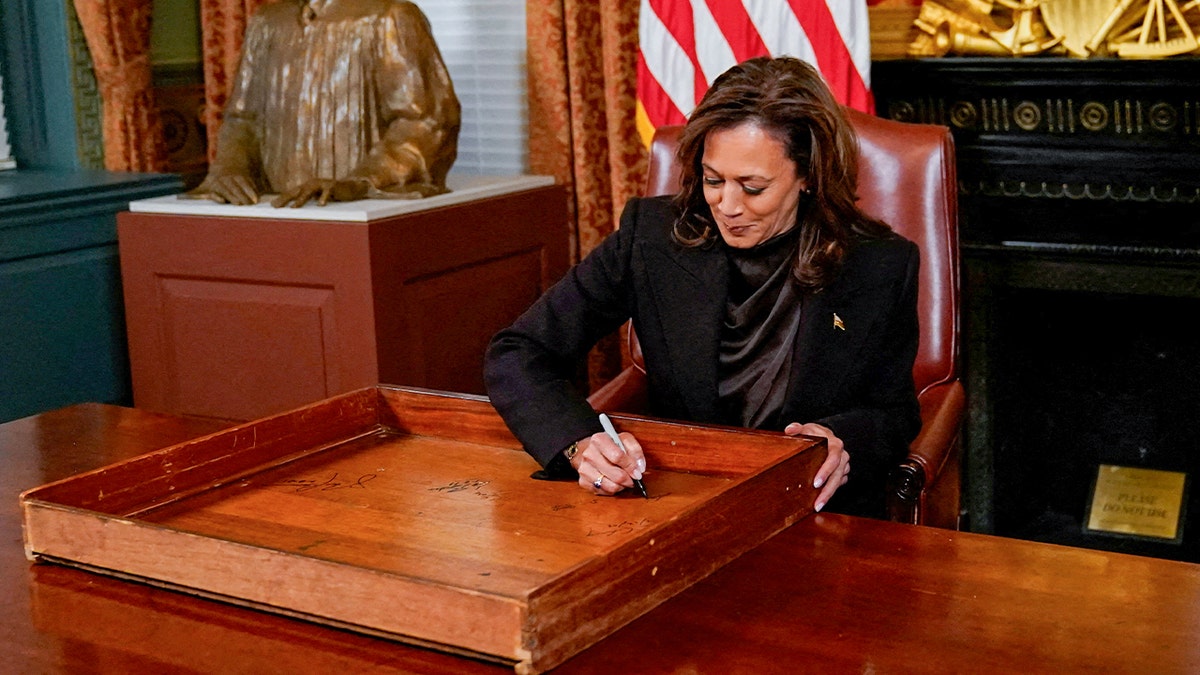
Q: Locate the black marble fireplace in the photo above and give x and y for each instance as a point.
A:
(1079, 186)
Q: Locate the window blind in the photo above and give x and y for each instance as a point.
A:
(6, 160)
(483, 45)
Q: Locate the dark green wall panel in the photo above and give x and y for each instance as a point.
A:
(62, 323)
(62, 340)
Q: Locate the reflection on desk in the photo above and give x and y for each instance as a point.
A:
(830, 594)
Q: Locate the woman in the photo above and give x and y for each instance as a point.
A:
(762, 296)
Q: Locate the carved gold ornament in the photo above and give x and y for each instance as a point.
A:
(1137, 29)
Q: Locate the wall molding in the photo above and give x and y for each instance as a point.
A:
(1081, 191)
(89, 121)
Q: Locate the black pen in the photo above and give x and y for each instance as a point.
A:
(612, 433)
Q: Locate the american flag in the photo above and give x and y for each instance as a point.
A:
(685, 44)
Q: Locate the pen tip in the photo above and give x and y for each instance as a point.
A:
(642, 489)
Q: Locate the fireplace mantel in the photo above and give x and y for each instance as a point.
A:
(1074, 175)
(1057, 127)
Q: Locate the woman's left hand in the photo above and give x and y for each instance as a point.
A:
(835, 470)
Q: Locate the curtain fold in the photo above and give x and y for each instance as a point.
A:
(582, 62)
(222, 29)
(118, 37)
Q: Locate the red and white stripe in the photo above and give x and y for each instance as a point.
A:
(686, 44)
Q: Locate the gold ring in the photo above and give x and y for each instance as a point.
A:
(598, 482)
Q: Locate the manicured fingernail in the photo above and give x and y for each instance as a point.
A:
(819, 506)
(818, 482)
(641, 466)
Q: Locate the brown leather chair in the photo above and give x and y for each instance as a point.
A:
(907, 178)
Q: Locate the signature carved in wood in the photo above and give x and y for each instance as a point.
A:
(331, 483)
(623, 527)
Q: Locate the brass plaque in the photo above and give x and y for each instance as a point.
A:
(1137, 502)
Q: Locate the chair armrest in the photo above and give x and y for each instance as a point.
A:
(933, 451)
(942, 409)
(627, 392)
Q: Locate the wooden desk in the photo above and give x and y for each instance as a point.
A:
(831, 594)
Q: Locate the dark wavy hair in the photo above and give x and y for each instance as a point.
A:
(787, 98)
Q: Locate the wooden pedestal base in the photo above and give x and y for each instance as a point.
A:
(240, 317)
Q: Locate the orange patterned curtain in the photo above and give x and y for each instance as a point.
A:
(222, 28)
(118, 37)
(582, 57)
(582, 60)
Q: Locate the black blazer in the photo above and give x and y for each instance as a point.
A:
(853, 376)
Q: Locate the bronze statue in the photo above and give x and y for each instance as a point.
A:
(336, 100)
(1139, 29)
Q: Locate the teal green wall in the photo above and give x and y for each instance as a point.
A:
(50, 102)
(62, 337)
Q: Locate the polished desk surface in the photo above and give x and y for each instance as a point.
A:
(831, 594)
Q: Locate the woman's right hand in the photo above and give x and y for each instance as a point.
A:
(835, 470)
(603, 468)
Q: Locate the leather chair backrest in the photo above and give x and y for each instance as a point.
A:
(906, 178)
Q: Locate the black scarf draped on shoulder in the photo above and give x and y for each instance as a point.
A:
(762, 317)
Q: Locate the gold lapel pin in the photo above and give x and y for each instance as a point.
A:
(837, 322)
